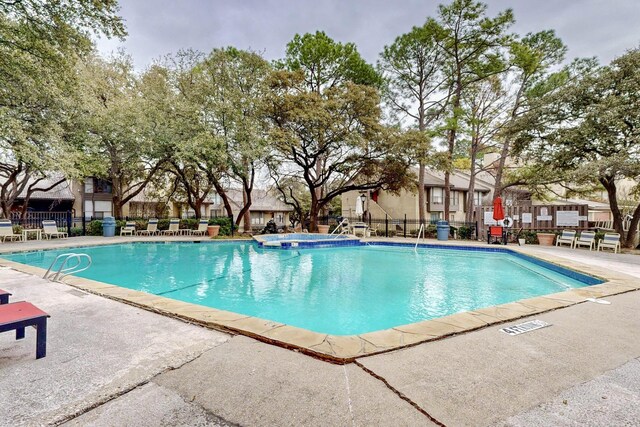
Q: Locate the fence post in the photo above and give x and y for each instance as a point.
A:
(232, 226)
(386, 225)
(405, 226)
(69, 223)
(84, 224)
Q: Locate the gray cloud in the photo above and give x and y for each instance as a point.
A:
(604, 29)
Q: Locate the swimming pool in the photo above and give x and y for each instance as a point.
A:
(338, 291)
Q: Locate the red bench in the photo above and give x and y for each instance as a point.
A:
(18, 315)
(4, 297)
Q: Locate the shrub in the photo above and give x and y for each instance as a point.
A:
(94, 228)
(224, 223)
(465, 232)
(163, 224)
(75, 231)
(530, 237)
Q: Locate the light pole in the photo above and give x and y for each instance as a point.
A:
(363, 198)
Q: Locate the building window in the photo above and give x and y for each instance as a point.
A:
(437, 196)
(435, 216)
(477, 198)
(455, 198)
(101, 186)
(88, 185)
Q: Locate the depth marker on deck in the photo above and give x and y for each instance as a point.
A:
(521, 328)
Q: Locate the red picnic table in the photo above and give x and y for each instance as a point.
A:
(18, 315)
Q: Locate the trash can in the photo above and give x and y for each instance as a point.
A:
(109, 226)
(443, 230)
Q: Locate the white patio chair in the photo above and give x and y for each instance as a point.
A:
(174, 227)
(586, 238)
(128, 229)
(50, 229)
(152, 228)
(610, 241)
(202, 228)
(568, 237)
(6, 231)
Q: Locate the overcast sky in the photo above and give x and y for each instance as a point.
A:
(600, 28)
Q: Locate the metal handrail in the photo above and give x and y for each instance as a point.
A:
(420, 232)
(62, 271)
(341, 225)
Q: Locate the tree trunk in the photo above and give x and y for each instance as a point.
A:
(422, 202)
(314, 209)
(245, 214)
(451, 145)
(609, 184)
(197, 207)
(470, 208)
(497, 192)
(633, 228)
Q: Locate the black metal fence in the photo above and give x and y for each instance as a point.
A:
(407, 227)
(77, 226)
(388, 227)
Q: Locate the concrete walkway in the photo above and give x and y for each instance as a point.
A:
(110, 364)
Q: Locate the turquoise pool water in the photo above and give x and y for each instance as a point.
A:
(340, 291)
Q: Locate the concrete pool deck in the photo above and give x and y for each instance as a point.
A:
(102, 371)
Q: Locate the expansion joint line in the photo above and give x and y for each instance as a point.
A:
(68, 417)
(400, 394)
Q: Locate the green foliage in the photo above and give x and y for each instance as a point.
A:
(586, 133)
(40, 44)
(465, 232)
(326, 63)
(530, 237)
(325, 115)
(94, 228)
(224, 223)
(75, 232)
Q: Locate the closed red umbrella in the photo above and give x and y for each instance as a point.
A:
(498, 212)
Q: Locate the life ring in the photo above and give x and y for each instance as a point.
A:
(507, 222)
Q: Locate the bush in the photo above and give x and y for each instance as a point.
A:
(465, 232)
(75, 231)
(530, 237)
(431, 231)
(94, 228)
(224, 223)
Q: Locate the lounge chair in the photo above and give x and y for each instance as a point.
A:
(611, 241)
(128, 229)
(568, 237)
(18, 315)
(6, 231)
(152, 228)
(174, 227)
(50, 229)
(496, 234)
(4, 297)
(586, 238)
(202, 228)
(359, 228)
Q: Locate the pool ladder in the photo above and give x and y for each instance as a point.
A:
(341, 226)
(65, 269)
(420, 233)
